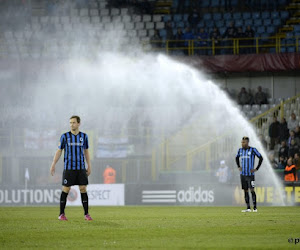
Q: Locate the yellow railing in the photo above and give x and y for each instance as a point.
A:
(234, 46)
(219, 145)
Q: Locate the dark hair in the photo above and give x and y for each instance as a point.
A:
(245, 138)
(76, 117)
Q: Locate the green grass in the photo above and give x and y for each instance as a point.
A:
(149, 228)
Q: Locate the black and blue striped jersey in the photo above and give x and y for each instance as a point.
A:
(247, 156)
(74, 146)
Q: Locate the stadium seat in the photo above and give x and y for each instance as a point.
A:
(237, 15)
(139, 26)
(124, 11)
(267, 22)
(129, 26)
(257, 22)
(94, 12)
(274, 14)
(149, 25)
(256, 15)
(217, 16)
(219, 23)
(166, 18)
(271, 29)
(261, 30)
(265, 14)
(209, 24)
(177, 18)
(163, 33)
(104, 12)
(137, 18)
(264, 107)
(85, 19)
(142, 33)
(131, 33)
(147, 18)
(291, 49)
(105, 19)
(207, 16)
(126, 19)
(246, 15)
(255, 107)
(83, 12)
(284, 14)
(159, 25)
(115, 12)
(227, 16)
(239, 23)
(297, 28)
(151, 33)
(214, 3)
(248, 22)
(246, 107)
(277, 21)
(157, 18)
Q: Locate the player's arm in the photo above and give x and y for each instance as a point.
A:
(237, 160)
(55, 160)
(260, 159)
(88, 160)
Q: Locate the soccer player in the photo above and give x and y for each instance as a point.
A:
(247, 155)
(75, 145)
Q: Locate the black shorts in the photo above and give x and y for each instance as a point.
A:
(75, 177)
(247, 181)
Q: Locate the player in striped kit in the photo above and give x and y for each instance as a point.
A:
(247, 155)
(75, 145)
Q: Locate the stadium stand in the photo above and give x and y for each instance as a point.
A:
(274, 30)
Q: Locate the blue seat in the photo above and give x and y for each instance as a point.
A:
(282, 49)
(167, 18)
(228, 23)
(270, 30)
(227, 16)
(200, 24)
(291, 49)
(267, 22)
(209, 24)
(246, 15)
(222, 30)
(217, 16)
(180, 24)
(185, 17)
(214, 3)
(272, 50)
(261, 30)
(255, 15)
(163, 33)
(220, 23)
(207, 16)
(277, 21)
(296, 28)
(265, 14)
(177, 18)
(275, 14)
(284, 14)
(257, 22)
(205, 3)
(239, 23)
(289, 34)
(237, 15)
(248, 22)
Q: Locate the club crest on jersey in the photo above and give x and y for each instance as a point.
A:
(81, 139)
(249, 153)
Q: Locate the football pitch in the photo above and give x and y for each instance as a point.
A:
(150, 228)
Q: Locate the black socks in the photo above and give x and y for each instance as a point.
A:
(85, 203)
(254, 199)
(63, 201)
(247, 199)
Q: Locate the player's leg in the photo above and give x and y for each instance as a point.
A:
(63, 201)
(83, 182)
(252, 186)
(246, 193)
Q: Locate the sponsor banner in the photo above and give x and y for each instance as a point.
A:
(36, 196)
(270, 195)
(170, 195)
(113, 147)
(99, 195)
(40, 139)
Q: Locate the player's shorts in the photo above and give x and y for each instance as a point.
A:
(75, 177)
(247, 181)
